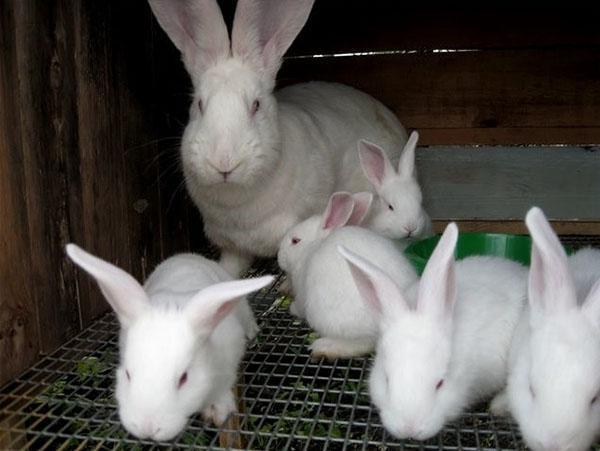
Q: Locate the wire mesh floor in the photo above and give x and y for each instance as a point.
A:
(287, 400)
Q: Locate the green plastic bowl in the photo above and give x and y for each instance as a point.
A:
(513, 247)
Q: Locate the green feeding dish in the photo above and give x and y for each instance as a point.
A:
(513, 247)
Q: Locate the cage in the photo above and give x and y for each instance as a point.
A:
(93, 102)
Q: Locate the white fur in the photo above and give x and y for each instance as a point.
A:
(283, 160)
(322, 283)
(397, 211)
(189, 317)
(454, 326)
(555, 355)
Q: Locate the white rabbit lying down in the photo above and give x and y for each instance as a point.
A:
(443, 344)
(324, 292)
(554, 383)
(182, 337)
(257, 163)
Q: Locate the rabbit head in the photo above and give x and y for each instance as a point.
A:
(398, 211)
(340, 210)
(166, 367)
(232, 136)
(407, 382)
(554, 389)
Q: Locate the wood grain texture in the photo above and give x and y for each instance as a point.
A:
(502, 183)
(19, 332)
(489, 90)
(518, 226)
(48, 129)
(120, 211)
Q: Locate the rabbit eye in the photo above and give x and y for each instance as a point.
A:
(390, 208)
(255, 107)
(295, 240)
(439, 384)
(128, 376)
(594, 399)
(182, 380)
(200, 106)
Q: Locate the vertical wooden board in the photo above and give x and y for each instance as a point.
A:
(120, 207)
(18, 325)
(499, 183)
(49, 136)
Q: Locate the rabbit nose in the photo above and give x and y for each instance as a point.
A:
(148, 429)
(410, 230)
(224, 168)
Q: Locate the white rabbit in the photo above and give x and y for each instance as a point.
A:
(182, 338)
(397, 212)
(441, 353)
(324, 292)
(257, 163)
(554, 383)
(342, 209)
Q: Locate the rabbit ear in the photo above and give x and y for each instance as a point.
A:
(406, 165)
(212, 304)
(374, 162)
(437, 289)
(263, 30)
(197, 29)
(376, 288)
(124, 294)
(551, 287)
(362, 203)
(591, 306)
(338, 211)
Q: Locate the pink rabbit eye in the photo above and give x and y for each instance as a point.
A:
(255, 107)
(295, 240)
(182, 380)
(128, 376)
(439, 384)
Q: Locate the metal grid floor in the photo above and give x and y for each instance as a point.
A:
(287, 401)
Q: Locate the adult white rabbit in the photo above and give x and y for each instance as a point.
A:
(448, 349)
(256, 162)
(553, 389)
(183, 335)
(397, 212)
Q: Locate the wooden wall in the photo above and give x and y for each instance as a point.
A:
(93, 99)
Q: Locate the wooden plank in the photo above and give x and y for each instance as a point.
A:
(19, 331)
(48, 119)
(510, 136)
(518, 226)
(499, 183)
(474, 90)
(338, 26)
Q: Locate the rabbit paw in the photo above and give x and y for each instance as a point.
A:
(219, 411)
(499, 405)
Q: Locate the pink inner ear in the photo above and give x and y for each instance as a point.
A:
(373, 162)
(339, 212)
(222, 312)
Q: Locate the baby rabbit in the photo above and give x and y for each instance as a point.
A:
(324, 293)
(182, 337)
(397, 212)
(554, 383)
(256, 162)
(448, 349)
